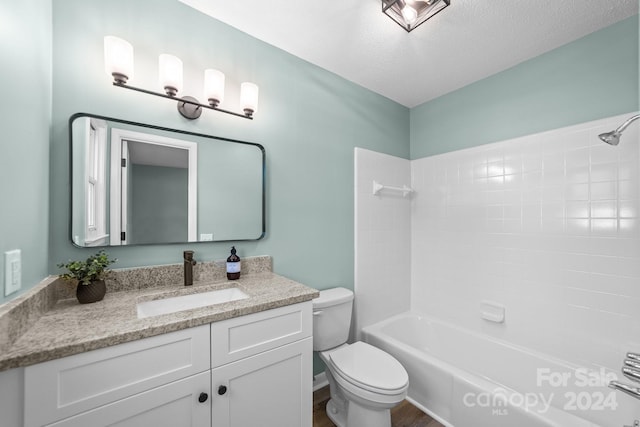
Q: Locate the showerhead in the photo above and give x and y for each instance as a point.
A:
(613, 137)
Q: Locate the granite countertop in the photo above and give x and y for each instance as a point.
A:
(68, 328)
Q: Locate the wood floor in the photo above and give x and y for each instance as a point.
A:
(403, 415)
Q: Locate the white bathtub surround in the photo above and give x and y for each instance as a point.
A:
(528, 250)
(547, 225)
(382, 237)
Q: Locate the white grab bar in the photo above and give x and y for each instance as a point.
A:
(377, 187)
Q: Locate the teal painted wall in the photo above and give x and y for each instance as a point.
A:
(590, 78)
(309, 120)
(25, 48)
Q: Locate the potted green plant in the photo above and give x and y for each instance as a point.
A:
(89, 276)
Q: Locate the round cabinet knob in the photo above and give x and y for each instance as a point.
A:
(203, 397)
(222, 390)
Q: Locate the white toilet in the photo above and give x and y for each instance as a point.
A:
(364, 381)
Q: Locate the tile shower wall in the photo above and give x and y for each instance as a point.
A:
(547, 225)
(382, 238)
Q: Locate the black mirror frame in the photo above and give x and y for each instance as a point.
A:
(165, 129)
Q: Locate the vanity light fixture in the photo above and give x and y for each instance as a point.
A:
(118, 61)
(411, 13)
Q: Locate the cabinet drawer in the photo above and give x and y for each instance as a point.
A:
(64, 387)
(244, 336)
(171, 405)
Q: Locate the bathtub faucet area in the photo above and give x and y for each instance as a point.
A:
(631, 370)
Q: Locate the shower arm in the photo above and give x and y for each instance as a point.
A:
(623, 126)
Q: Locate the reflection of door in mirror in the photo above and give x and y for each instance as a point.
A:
(153, 179)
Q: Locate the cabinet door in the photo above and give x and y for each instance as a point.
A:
(176, 404)
(270, 389)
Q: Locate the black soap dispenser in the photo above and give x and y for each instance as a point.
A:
(233, 265)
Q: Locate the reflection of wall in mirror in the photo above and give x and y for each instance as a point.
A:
(159, 197)
(232, 199)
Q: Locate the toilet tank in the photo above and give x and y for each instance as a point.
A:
(331, 318)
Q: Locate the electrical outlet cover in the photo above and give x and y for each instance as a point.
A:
(12, 271)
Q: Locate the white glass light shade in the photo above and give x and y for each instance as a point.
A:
(409, 14)
(213, 86)
(118, 58)
(170, 68)
(249, 98)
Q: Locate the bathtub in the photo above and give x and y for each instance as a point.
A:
(462, 378)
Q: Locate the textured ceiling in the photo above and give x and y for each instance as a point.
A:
(466, 42)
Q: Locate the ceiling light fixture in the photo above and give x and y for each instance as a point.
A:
(118, 61)
(409, 14)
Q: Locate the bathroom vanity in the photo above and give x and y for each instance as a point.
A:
(241, 363)
(246, 371)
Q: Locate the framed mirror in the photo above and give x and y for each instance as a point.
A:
(138, 184)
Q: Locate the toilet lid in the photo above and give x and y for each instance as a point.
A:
(369, 367)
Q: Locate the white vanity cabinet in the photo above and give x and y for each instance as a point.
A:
(249, 370)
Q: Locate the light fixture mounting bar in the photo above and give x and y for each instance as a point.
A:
(248, 115)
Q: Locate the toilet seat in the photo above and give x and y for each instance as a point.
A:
(370, 368)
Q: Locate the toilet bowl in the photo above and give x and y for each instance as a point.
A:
(367, 383)
(364, 381)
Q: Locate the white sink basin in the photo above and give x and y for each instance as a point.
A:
(188, 302)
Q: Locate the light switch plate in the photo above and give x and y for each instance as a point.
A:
(12, 271)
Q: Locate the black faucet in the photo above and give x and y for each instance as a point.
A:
(189, 262)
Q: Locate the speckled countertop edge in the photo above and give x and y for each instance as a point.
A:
(69, 328)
